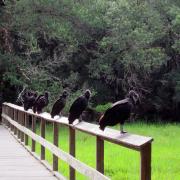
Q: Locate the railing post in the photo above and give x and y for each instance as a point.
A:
(8, 112)
(22, 123)
(10, 115)
(43, 126)
(146, 162)
(100, 154)
(55, 141)
(13, 117)
(9, 125)
(26, 119)
(2, 113)
(33, 148)
(18, 120)
(72, 151)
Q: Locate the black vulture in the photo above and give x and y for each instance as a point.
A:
(41, 102)
(35, 103)
(29, 98)
(2, 2)
(59, 104)
(119, 112)
(78, 106)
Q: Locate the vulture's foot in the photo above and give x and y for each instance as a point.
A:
(123, 132)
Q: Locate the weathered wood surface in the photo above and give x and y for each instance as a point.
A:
(72, 151)
(33, 148)
(55, 141)
(132, 141)
(17, 163)
(100, 154)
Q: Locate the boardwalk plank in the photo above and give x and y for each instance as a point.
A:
(17, 163)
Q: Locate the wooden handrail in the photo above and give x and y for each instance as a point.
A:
(135, 142)
(132, 141)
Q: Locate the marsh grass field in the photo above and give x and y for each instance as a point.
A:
(122, 163)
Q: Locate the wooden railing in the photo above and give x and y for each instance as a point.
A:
(17, 120)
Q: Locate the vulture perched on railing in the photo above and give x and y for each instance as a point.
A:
(2, 2)
(120, 111)
(41, 102)
(78, 106)
(59, 104)
(29, 99)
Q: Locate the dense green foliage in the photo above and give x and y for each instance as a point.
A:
(107, 46)
(165, 152)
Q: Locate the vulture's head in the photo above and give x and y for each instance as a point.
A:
(46, 94)
(87, 94)
(31, 93)
(134, 97)
(65, 94)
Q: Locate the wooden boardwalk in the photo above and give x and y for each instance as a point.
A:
(16, 163)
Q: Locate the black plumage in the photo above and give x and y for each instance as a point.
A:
(78, 106)
(29, 98)
(35, 103)
(41, 102)
(59, 104)
(2, 2)
(119, 112)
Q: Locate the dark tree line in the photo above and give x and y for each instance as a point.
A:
(106, 46)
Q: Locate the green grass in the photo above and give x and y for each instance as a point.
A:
(123, 163)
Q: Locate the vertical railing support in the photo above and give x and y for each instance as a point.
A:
(2, 119)
(22, 123)
(18, 120)
(146, 162)
(11, 116)
(55, 141)
(72, 146)
(4, 112)
(43, 126)
(100, 154)
(8, 112)
(26, 118)
(15, 119)
(33, 148)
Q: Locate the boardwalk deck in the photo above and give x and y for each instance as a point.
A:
(16, 163)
